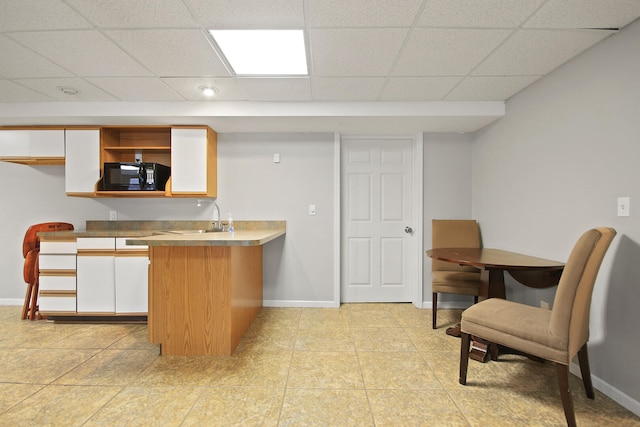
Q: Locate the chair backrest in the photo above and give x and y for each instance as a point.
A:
(572, 304)
(32, 241)
(30, 269)
(454, 233)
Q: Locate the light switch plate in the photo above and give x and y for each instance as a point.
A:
(312, 209)
(624, 206)
(276, 158)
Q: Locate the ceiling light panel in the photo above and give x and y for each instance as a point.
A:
(263, 52)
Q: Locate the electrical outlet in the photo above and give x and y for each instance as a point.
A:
(113, 215)
(544, 304)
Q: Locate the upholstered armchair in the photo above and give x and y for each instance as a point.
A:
(448, 277)
(555, 335)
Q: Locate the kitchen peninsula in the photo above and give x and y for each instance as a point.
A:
(205, 288)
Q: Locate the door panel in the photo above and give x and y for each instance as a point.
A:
(377, 206)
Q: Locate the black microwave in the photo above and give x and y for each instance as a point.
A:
(130, 176)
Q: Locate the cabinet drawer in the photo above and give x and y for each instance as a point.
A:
(57, 283)
(53, 303)
(121, 244)
(58, 247)
(96, 243)
(57, 262)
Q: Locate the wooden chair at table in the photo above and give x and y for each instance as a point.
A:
(448, 277)
(556, 335)
(30, 252)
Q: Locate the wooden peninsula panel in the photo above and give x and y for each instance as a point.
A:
(202, 299)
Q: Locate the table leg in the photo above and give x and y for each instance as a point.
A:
(492, 287)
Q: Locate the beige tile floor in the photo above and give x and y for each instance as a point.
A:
(360, 365)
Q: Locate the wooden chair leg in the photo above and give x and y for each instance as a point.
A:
(27, 301)
(565, 394)
(585, 370)
(464, 357)
(434, 310)
(34, 302)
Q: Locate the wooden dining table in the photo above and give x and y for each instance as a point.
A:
(531, 271)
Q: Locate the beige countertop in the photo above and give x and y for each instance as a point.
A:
(178, 233)
(224, 238)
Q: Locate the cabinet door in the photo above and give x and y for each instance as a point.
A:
(82, 164)
(46, 143)
(188, 160)
(14, 143)
(132, 284)
(95, 284)
(32, 143)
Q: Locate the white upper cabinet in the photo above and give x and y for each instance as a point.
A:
(193, 161)
(82, 166)
(33, 146)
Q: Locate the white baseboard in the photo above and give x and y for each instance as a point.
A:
(610, 391)
(11, 301)
(307, 304)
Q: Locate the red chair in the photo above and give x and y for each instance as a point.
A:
(30, 252)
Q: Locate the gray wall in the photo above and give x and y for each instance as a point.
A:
(554, 167)
(299, 268)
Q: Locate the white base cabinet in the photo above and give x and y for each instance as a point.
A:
(112, 278)
(131, 280)
(96, 293)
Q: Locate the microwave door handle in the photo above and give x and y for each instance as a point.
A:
(142, 177)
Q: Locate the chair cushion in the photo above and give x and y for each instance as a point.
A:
(456, 282)
(517, 326)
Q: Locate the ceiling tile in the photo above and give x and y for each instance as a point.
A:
(276, 89)
(354, 52)
(13, 92)
(18, 61)
(227, 88)
(84, 53)
(418, 88)
(135, 14)
(29, 15)
(346, 88)
(443, 52)
(537, 52)
(136, 89)
(86, 91)
(248, 14)
(180, 53)
(495, 88)
(478, 14)
(585, 14)
(361, 13)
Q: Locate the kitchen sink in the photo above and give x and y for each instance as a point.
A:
(192, 232)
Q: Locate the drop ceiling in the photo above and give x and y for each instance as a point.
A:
(374, 65)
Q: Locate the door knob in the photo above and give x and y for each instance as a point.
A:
(408, 230)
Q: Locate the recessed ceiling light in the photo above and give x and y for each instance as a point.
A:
(263, 52)
(208, 91)
(68, 90)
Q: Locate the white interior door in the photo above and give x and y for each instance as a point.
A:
(376, 218)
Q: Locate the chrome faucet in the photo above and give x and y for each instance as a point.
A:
(217, 225)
